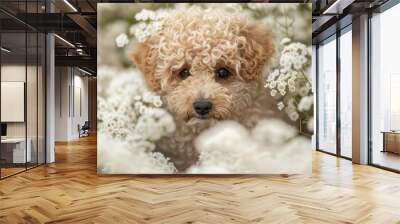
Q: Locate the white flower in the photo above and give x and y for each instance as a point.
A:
(305, 103)
(303, 91)
(294, 56)
(273, 131)
(281, 105)
(291, 82)
(161, 14)
(138, 105)
(122, 40)
(294, 116)
(274, 74)
(122, 115)
(273, 92)
(285, 41)
(150, 23)
(270, 147)
(291, 104)
(117, 157)
(140, 27)
(272, 84)
(281, 86)
(291, 76)
(145, 15)
(157, 102)
(142, 109)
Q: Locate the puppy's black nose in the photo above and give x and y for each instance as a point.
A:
(202, 107)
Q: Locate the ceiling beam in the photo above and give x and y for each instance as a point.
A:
(321, 23)
(84, 24)
(78, 61)
(337, 7)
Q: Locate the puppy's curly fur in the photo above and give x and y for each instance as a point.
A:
(201, 42)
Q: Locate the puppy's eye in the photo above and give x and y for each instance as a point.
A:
(223, 73)
(184, 73)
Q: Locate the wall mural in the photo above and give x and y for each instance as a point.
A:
(204, 88)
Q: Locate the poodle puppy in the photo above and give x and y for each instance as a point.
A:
(208, 65)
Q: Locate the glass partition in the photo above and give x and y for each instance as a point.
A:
(22, 77)
(31, 99)
(13, 109)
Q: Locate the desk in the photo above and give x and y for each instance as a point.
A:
(16, 147)
(391, 141)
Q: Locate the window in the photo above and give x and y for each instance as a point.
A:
(327, 96)
(385, 89)
(346, 93)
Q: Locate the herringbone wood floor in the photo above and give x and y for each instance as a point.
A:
(70, 191)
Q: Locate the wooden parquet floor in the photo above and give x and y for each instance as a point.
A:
(70, 191)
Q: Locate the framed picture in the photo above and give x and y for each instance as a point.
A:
(204, 88)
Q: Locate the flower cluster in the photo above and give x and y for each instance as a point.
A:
(150, 22)
(277, 16)
(285, 19)
(294, 56)
(120, 157)
(290, 84)
(229, 147)
(131, 116)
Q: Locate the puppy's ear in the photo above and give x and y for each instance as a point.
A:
(145, 60)
(257, 50)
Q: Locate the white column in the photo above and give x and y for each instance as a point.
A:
(63, 76)
(50, 92)
(360, 90)
(50, 99)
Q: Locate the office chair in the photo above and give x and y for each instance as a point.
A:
(84, 130)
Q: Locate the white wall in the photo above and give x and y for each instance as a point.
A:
(62, 82)
(70, 83)
(13, 100)
(79, 103)
(12, 73)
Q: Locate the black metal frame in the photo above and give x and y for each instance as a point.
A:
(44, 80)
(316, 97)
(338, 98)
(369, 83)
